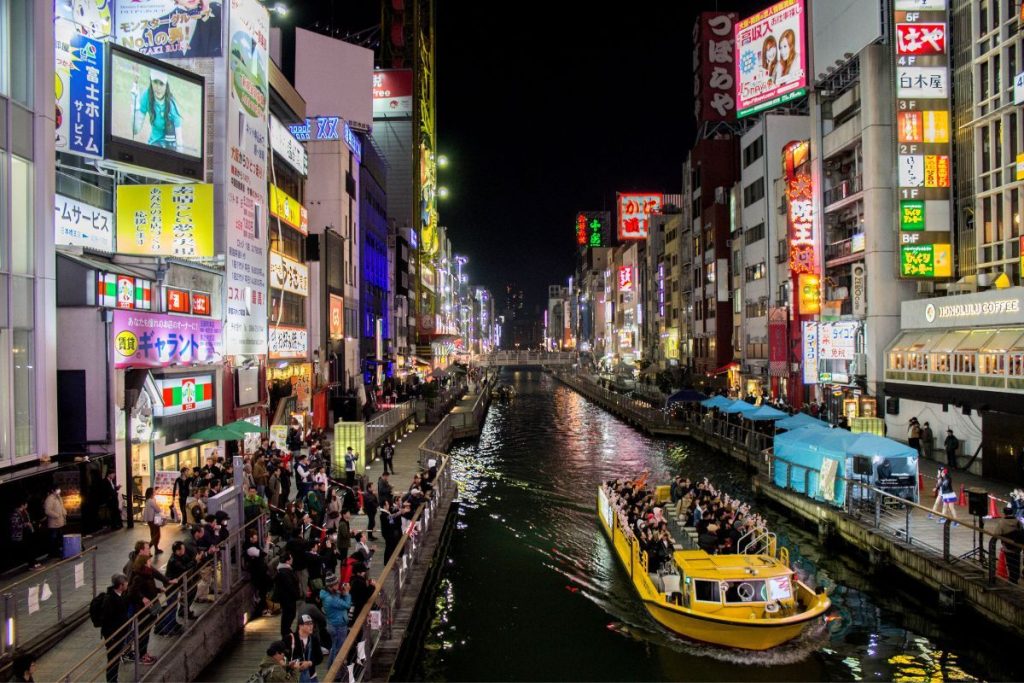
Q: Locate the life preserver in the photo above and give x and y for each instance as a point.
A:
(745, 591)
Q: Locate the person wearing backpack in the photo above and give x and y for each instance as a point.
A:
(109, 612)
(275, 667)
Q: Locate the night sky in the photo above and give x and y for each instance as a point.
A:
(543, 112)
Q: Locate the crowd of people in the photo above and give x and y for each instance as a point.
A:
(312, 567)
(719, 520)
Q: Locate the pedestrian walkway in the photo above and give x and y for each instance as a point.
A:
(111, 555)
(239, 662)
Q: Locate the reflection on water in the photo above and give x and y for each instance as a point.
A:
(532, 591)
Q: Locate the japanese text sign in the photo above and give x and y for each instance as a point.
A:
(290, 149)
(149, 340)
(170, 29)
(289, 275)
(79, 89)
(800, 201)
(837, 341)
(810, 352)
(288, 342)
(336, 324)
(178, 300)
(771, 57)
(77, 224)
(165, 220)
(920, 39)
(593, 229)
(635, 211)
(626, 278)
(714, 67)
(201, 304)
(926, 260)
(288, 209)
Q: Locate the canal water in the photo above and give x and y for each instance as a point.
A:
(531, 590)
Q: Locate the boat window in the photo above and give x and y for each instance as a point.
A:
(706, 591)
(747, 590)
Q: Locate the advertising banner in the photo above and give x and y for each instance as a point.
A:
(245, 180)
(593, 229)
(152, 340)
(778, 343)
(392, 92)
(90, 17)
(79, 88)
(183, 395)
(772, 57)
(165, 220)
(288, 275)
(837, 341)
(114, 290)
(154, 107)
(635, 211)
(337, 319)
(290, 149)
(77, 224)
(714, 66)
(288, 342)
(810, 353)
(288, 209)
(169, 28)
(625, 278)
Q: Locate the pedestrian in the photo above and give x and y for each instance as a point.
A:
(927, 440)
(344, 532)
(350, 466)
(285, 477)
(260, 474)
(56, 520)
(181, 491)
(306, 649)
(370, 506)
(115, 614)
(275, 667)
(182, 564)
(914, 435)
(952, 444)
(303, 479)
(154, 518)
(337, 602)
(23, 669)
(111, 500)
(21, 535)
(385, 492)
(274, 487)
(1008, 529)
(945, 496)
(388, 456)
(143, 596)
(286, 592)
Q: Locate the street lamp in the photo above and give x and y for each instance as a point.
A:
(442, 192)
(442, 161)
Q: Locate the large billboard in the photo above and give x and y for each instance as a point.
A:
(593, 229)
(80, 90)
(245, 180)
(771, 61)
(170, 28)
(152, 340)
(635, 209)
(714, 66)
(923, 134)
(165, 220)
(392, 93)
(77, 224)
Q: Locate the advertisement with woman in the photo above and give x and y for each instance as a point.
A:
(771, 63)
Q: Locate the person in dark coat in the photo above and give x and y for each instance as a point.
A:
(142, 595)
(362, 588)
(384, 489)
(116, 613)
(306, 648)
(181, 564)
(390, 529)
(370, 506)
(286, 592)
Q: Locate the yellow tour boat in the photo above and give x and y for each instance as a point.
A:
(748, 601)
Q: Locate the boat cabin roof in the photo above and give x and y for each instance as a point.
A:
(698, 564)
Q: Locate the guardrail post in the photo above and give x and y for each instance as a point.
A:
(135, 647)
(95, 552)
(992, 555)
(183, 597)
(945, 542)
(906, 524)
(878, 509)
(60, 598)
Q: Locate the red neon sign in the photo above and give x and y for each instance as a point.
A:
(635, 211)
(581, 230)
(800, 196)
(626, 279)
(920, 39)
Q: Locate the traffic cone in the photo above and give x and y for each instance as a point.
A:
(962, 500)
(993, 507)
(1001, 570)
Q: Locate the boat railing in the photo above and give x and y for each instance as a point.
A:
(757, 542)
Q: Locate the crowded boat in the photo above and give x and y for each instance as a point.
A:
(705, 565)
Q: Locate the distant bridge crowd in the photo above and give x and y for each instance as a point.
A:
(524, 358)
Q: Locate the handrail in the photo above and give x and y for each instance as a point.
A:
(34, 578)
(129, 633)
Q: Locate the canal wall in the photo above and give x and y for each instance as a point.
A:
(963, 583)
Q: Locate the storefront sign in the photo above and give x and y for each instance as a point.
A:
(392, 92)
(149, 340)
(337, 320)
(168, 30)
(165, 220)
(593, 229)
(995, 307)
(288, 209)
(635, 213)
(837, 341)
(771, 57)
(778, 345)
(245, 180)
(926, 260)
(288, 275)
(80, 91)
(290, 149)
(626, 278)
(124, 291)
(810, 353)
(178, 300)
(714, 67)
(183, 394)
(858, 290)
(288, 342)
(77, 224)
(1019, 167)
(201, 304)
(1018, 88)
(800, 200)
(428, 277)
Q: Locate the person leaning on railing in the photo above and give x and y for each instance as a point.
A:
(116, 613)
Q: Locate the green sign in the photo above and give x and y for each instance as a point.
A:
(926, 260)
(911, 214)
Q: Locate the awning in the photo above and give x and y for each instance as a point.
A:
(765, 413)
(739, 407)
(1004, 340)
(686, 396)
(800, 420)
(949, 342)
(726, 368)
(906, 341)
(101, 263)
(974, 340)
(716, 402)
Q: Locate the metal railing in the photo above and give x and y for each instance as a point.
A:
(631, 407)
(47, 599)
(382, 425)
(221, 573)
(525, 358)
(443, 402)
(843, 189)
(474, 417)
(373, 625)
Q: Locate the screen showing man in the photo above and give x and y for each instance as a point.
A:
(155, 107)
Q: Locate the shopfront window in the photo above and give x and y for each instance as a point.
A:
(965, 363)
(22, 234)
(917, 361)
(940, 362)
(1015, 364)
(992, 364)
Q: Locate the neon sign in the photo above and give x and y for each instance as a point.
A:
(800, 196)
(626, 278)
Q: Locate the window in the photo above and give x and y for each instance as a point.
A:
(287, 308)
(753, 151)
(706, 591)
(754, 234)
(23, 357)
(757, 309)
(17, 59)
(753, 192)
(710, 308)
(755, 272)
(22, 234)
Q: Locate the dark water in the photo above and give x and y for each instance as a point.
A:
(532, 591)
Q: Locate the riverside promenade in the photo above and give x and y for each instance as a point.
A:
(955, 558)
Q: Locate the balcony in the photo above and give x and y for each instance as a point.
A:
(846, 188)
(852, 246)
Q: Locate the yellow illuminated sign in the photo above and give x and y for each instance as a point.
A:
(165, 220)
(288, 209)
